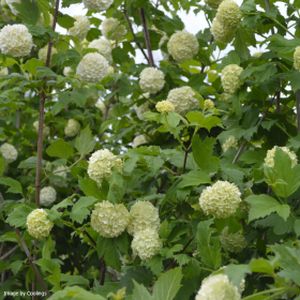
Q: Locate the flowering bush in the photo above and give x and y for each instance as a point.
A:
(155, 154)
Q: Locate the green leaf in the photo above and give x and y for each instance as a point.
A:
(203, 154)
(199, 119)
(15, 186)
(236, 273)
(2, 165)
(65, 21)
(194, 178)
(74, 280)
(140, 292)
(263, 205)
(90, 188)
(60, 149)
(80, 209)
(167, 285)
(85, 142)
(32, 64)
(261, 265)
(297, 227)
(17, 218)
(75, 293)
(28, 11)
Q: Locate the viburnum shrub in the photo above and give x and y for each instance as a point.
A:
(142, 161)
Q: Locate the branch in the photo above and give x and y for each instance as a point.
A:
(134, 35)
(102, 271)
(42, 116)
(9, 252)
(147, 37)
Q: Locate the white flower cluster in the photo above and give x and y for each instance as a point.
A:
(152, 80)
(80, 28)
(61, 171)
(101, 106)
(15, 40)
(38, 224)
(144, 225)
(230, 78)
(218, 287)
(46, 129)
(297, 58)
(221, 200)
(213, 3)
(103, 46)
(208, 104)
(43, 53)
(93, 67)
(72, 128)
(269, 159)
(139, 140)
(164, 106)
(9, 152)
(109, 220)
(98, 5)
(101, 165)
(230, 142)
(183, 99)
(226, 21)
(47, 196)
(3, 71)
(183, 46)
(112, 29)
(232, 242)
(11, 6)
(67, 71)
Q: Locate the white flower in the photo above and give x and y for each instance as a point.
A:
(297, 58)
(67, 71)
(112, 29)
(218, 287)
(183, 99)
(139, 140)
(269, 159)
(103, 46)
(47, 196)
(15, 40)
(146, 243)
(9, 152)
(208, 104)
(109, 220)
(164, 106)
(183, 46)
(101, 165)
(143, 215)
(80, 28)
(98, 5)
(232, 242)
(11, 6)
(72, 128)
(231, 142)
(43, 53)
(46, 129)
(229, 14)
(61, 171)
(3, 71)
(38, 224)
(221, 200)
(152, 80)
(220, 33)
(101, 106)
(230, 78)
(92, 68)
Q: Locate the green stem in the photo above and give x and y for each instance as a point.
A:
(276, 290)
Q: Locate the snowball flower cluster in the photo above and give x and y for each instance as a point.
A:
(47, 196)
(146, 243)
(112, 29)
(218, 287)
(46, 129)
(11, 5)
(103, 46)
(108, 219)
(93, 67)
(221, 200)
(297, 58)
(9, 152)
(152, 80)
(43, 53)
(143, 215)
(208, 104)
(164, 106)
(101, 165)
(269, 159)
(183, 99)
(38, 224)
(61, 171)
(213, 3)
(232, 242)
(183, 46)
(230, 78)
(72, 128)
(230, 142)
(15, 40)
(226, 21)
(80, 28)
(98, 5)
(139, 140)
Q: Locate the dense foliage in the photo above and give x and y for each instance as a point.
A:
(173, 178)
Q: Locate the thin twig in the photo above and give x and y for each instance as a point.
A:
(147, 37)
(102, 271)
(9, 252)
